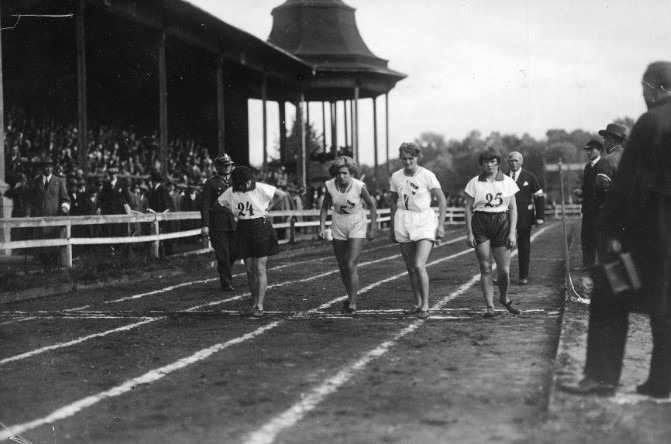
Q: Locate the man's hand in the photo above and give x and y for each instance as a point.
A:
(205, 231)
(578, 192)
(539, 222)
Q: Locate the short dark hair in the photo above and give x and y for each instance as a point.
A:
(343, 161)
(410, 148)
(240, 176)
(490, 153)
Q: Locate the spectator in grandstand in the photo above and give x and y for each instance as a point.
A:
(159, 201)
(592, 201)
(19, 195)
(48, 197)
(138, 204)
(114, 198)
(530, 203)
(13, 164)
(636, 218)
(348, 223)
(255, 237)
(413, 222)
(218, 222)
(191, 202)
(491, 222)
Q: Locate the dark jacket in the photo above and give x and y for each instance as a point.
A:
(159, 199)
(48, 201)
(592, 199)
(216, 217)
(637, 210)
(530, 199)
(113, 198)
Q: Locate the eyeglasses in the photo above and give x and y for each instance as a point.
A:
(648, 84)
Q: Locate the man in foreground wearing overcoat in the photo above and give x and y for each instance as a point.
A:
(636, 218)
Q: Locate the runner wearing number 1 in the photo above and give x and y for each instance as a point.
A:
(414, 223)
(491, 220)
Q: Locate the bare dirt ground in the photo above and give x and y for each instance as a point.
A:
(171, 360)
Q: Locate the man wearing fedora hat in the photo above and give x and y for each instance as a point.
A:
(159, 201)
(636, 218)
(48, 196)
(217, 221)
(613, 137)
(114, 199)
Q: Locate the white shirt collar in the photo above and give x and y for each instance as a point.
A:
(593, 162)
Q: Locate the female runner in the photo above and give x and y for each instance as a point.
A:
(348, 223)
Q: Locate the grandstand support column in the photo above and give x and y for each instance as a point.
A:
(386, 130)
(283, 131)
(264, 101)
(376, 166)
(299, 117)
(334, 129)
(82, 100)
(346, 122)
(355, 126)
(5, 204)
(163, 104)
(221, 122)
(324, 127)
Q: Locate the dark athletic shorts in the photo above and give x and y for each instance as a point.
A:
(255, 238)
(492, 227)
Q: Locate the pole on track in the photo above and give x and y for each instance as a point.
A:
(571, 294)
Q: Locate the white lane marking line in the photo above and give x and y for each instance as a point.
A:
(73, 342)
(147, 378)
(268, 432)
(633, 398)
(155, 375)
(197, 307)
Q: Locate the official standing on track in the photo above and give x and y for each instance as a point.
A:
(592, 201)
(491, 219)
(255, 237)
(218, 223)
(530, 202)
(348, 223)
(414, 223)
(637, 218)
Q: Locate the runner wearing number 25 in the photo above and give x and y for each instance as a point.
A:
(414, 223)
(491, 220)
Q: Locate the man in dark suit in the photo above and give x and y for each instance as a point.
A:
(159, 201)
(592, 201)
(530, 210)
(637, 218)
(114, 199)
(48, 197)
(217, 221)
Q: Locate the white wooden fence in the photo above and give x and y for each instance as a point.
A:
(296, 222)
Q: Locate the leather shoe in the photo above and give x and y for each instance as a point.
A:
(228, 288)
(524, 281)
(588, 386)
(652, 390)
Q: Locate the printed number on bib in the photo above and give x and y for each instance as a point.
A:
(242, 207)
(494, 201)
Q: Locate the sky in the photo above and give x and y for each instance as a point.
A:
(507, 66)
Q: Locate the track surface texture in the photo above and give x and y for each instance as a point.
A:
(172, 361)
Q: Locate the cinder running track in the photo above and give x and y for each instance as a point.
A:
(173, 361)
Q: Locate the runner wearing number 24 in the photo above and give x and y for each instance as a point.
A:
(491, 220)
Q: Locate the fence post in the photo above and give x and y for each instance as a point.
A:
(155, 245)
(66, 250)
(292, 230)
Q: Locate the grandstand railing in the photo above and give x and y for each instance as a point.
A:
(298, 223)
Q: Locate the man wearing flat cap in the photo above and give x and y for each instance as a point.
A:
(591, 202)
(636, 218)
(48, 196)
(218, 222)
